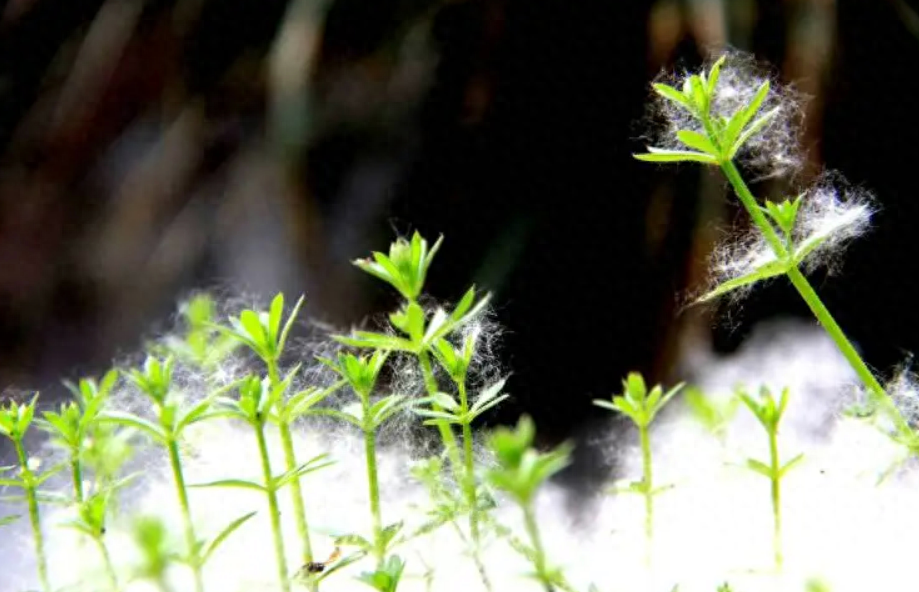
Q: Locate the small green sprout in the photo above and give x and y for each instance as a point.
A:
(15, 420)
(714, 416)
(642, 406)
(154, 380)
(91, 522)
(263, 333)
(386, 578)
(424, 336)
(361, 374)
(75, 423)
(521, 471)
(406, 266)
(156, 551)
(768, 412)
(203, 345)
(256, 400)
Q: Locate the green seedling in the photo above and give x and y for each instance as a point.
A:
(405, 269)
(154, 380)
(156, 552)
(90, 521)
(75, 423)
(641, 406)
(203, 345)
(768, 412)
(262, 332)
(521, 471)
(253, 406)
(714, 416)
(367, 415)
(15, 420)
(386, 578)
(723, 136)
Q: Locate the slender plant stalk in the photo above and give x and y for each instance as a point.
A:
(296, 492)
(776, 496)
(373, 485)
(647, 490)
(539, 557)
(191, 539)
(446, 433)
(469, 486)
(273, 509)
(297, 495)
(800, 282)
(35, 520)
(76, 472)
(109, 566)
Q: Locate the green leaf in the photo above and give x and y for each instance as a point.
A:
(698, 142)
(662, 155)
(210, 547)
(713, 75)
(791, 464)
(130, 420)
(673, 95)
(444, 401)
(389, 533)
(438, 415)
(487, 399)
(282, 340)
(314, 464)
(275, 311)
(752, 130)
(353, 540)
(759, 467)
(379, 341)
(8, 519)
(764, 272)
(742, 117)
(238, 483)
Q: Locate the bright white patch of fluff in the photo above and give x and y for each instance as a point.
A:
(831, 212)
(714, 526)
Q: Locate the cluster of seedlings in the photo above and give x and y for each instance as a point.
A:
(424, 366)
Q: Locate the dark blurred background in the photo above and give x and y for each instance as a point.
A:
(151, 148)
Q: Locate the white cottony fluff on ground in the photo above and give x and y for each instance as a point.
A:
(714, 526)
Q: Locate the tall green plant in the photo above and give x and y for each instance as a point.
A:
(171, 419)
(715, 124)
(427, 337)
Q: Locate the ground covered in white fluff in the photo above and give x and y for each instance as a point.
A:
(715, 525)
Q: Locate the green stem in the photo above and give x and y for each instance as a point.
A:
(469, 486)
(109, 566)
(76, 472)
(801, 283)
(191, 539)
(273, 510)
(296, 491)
(297, 495)
(373, 491)
(647, 487)
(539, 557)
(776, 496)
(446, 432)
(34, 518)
